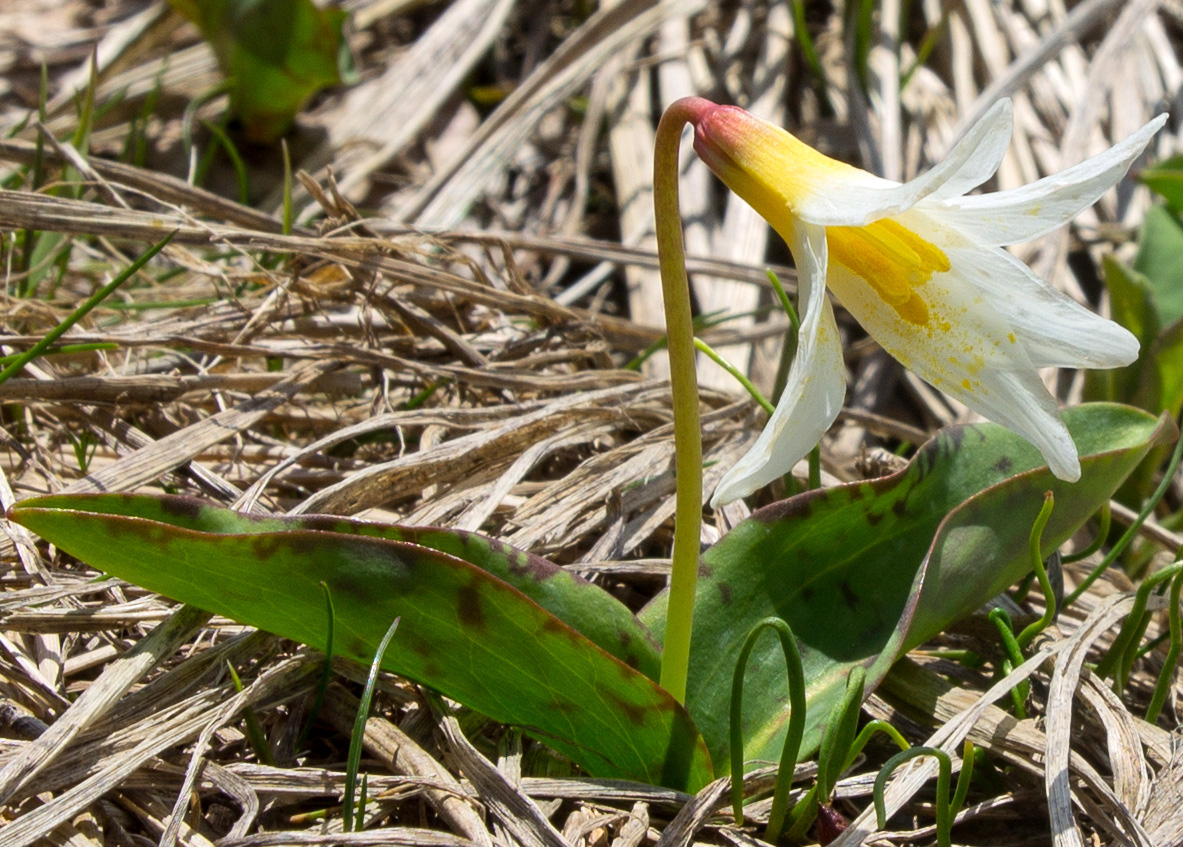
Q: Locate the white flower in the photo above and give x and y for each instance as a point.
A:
(921, 266)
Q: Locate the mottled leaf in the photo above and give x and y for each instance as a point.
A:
(865, 571)
(464, 631)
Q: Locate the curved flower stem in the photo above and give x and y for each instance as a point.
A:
(1167, 676)
(1132, 530)
(946, 810)
(869, 730)
(1013, 658)
(796, 729)
(675, 290)
(833, 755)
(1120, 658)
(1049, 598)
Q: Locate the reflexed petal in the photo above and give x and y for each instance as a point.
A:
(1054, 329)
(1020, 402)
(816, 384)
(970, 163)
(1008, 217)
(986, 157)
(968, 350)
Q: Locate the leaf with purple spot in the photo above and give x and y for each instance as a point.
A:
(466, 632)
(866, 571)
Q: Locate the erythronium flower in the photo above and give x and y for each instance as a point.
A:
(921, 266)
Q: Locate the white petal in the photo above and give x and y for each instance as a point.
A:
(966, 349)
(857, 201)
(1055, 330)
(1020, 402)
(815, 387)
(984, 159)
(1008, 217)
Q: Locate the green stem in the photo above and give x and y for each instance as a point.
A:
(968, 757)
(1035, 542)
(793, 736)
(833, 755)
(326, 671)
(869, 730)
(1167, 676)
(1132, 529)
(254, 732)
(1121, 656)
(675, 290)
(713, 354)
(82, 311)
(351, 812)
(944, 776)
(1013, 658)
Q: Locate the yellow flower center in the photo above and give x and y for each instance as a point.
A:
(892, 259)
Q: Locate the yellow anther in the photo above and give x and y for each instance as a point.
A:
(892, 259)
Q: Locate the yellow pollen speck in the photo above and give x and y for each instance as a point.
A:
(1010, 336)
(893, 260)
(965, 383)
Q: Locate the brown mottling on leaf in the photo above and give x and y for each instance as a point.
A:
(1004, 464)
(724, 593)
(556, 626)
(323, 523)
(527, 566)
(468, 607)
(563, 707)
(264, 546)
(420, 646)
(848, 596)
(359, 649)
(155, 534)
(344, 583)
(178, 506)
(635, 714)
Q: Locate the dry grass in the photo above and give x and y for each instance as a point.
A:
(454, 356)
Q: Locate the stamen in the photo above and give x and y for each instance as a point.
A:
(892, 259)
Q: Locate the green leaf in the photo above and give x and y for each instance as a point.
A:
(275, 53)
(464, 632)
(1158, 259)
(865, 571)
(584, 607)
(1154, 381)
(1167, 354)
(1166, 179)
(1131, 302)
